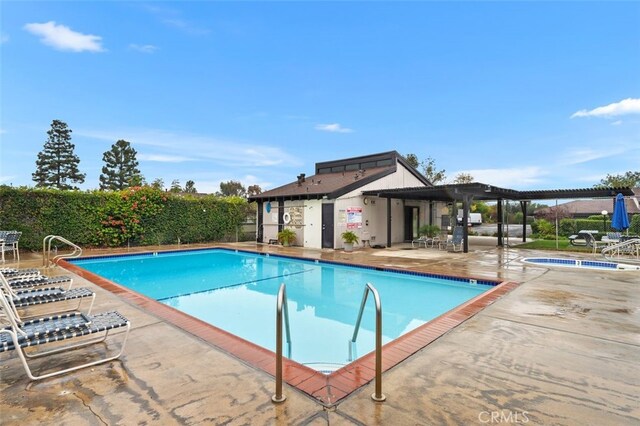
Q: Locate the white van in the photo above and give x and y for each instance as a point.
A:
(474, 219)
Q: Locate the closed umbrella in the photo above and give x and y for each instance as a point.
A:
(619, 220)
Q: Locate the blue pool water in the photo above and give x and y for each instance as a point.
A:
(236, 291)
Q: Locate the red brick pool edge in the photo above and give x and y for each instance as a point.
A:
(327, 389)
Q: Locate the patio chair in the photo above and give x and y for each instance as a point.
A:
(9, 243)
(22, 299)
(22, 336)
(593, 243)
(421, 240)
(28, 282)
(456, 241)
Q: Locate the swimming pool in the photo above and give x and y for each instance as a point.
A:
(236, 292)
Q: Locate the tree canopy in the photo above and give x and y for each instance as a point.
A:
(231, 188)
(630, 179)
(429, 169)
(190, 187)
(57, 165)
(121, 167)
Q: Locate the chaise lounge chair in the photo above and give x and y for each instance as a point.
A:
(15, 272)
(22, 299)
(421, 240)
(28, 282)
(21, 336)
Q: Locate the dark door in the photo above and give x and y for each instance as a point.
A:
(411, 222)
(327, 226)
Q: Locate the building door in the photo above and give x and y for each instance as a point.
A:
(411, 222)
(327, 225)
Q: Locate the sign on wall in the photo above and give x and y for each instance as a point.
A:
(354, 217)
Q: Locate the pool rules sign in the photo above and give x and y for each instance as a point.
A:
(354, 217)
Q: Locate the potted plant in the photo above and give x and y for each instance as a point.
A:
(349, 238)
(430, 231)
(286, 237)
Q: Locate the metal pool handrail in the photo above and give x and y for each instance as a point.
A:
(46, 250)
(378, 395)
(281, 305)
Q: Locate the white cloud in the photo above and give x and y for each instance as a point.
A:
(625, 106)
(173, 18)
(144, 48)
(334, 128)
(7, 178)
(64, 38)
(164, 158)
(2, 131)
(202, 148)
(616, 123)
(585, 155)
(4, 38)
(507, 178)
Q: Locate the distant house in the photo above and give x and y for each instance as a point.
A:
(319, 208)
(586, 208)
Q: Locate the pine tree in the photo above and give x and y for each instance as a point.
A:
(57, 164)
(190, 187)
(121, 167)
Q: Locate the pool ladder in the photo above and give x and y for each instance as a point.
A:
(46, 250)
(282, 310)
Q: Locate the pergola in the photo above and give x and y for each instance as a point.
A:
(476, 191)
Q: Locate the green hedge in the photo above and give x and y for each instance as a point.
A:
(136, 216)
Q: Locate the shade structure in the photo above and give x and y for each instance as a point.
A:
(619, 220)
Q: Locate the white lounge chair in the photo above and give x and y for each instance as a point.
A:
(23, 299)
(23, 337)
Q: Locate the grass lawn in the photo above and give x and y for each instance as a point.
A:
(563, 245)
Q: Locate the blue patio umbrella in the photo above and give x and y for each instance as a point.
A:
(619, 220)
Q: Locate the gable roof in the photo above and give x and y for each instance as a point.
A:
(595, 207)
(335, 178)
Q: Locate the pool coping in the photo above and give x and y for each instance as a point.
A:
(328, 389)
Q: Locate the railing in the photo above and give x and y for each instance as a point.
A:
(378, 395)
(629, 248)
(280, 306)
(46, 250)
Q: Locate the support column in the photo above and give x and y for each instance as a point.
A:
(466, 206)
(523, 206)
(499, 213)
(388, 222)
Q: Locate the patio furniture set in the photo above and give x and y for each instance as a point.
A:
(442, 242)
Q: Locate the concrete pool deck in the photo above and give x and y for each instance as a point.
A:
(562, 348)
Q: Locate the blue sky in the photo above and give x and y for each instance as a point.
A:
(520, 95)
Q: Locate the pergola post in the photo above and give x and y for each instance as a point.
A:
(259, 222)
(466, 206)
(523, 206)
(499, 218)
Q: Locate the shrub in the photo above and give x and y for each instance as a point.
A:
(137, 216)
(429, 230)
(544, 228)
(634, 224)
